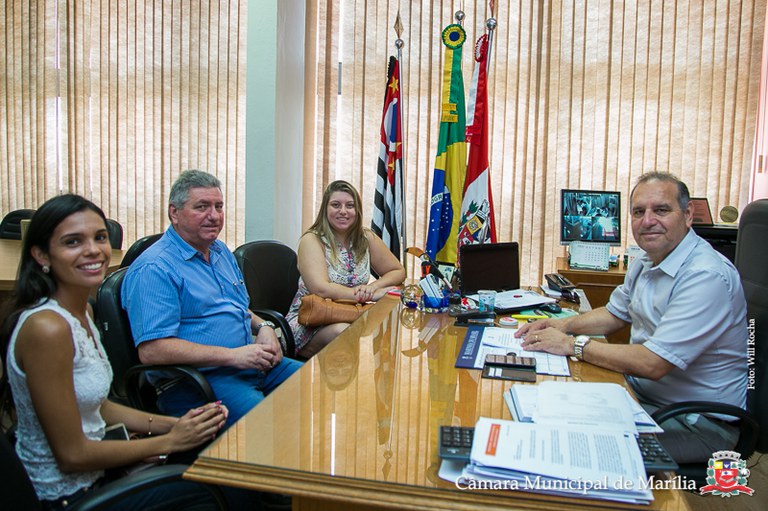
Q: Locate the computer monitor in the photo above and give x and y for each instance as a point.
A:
(589, 215)
(493, 266)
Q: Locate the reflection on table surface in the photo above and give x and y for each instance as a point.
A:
(360, 421)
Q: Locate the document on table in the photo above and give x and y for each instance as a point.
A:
(559, 460)
(588, 404)
(522, 401)
(584, 404)
(482, 341)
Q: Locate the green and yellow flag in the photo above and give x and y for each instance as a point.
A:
(451, 160)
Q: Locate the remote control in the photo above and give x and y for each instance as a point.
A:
(655, 456)
(456, 442)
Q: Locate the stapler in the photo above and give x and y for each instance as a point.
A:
(475, 318)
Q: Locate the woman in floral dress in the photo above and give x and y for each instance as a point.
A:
(336, 255)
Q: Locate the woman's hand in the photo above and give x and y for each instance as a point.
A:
(380, 293)
(365, 293)
(197, 426)
(370, 293)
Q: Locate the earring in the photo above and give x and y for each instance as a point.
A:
(46, 268)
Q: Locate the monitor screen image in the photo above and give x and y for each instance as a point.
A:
(588, 215)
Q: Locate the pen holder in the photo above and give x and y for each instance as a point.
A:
(434, 305)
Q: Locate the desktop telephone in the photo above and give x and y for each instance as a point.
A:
(557, 282)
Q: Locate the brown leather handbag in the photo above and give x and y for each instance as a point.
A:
(317, 311)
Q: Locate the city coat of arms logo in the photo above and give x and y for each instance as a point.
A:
(727, 475)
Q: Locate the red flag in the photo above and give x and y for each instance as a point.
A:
(387, 220)
(477, 223)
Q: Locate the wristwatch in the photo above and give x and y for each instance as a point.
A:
(263, 324)
(579, 343)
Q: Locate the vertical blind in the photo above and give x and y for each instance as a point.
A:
(583, 94)
(112, 100)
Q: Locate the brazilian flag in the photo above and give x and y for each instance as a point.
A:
(451, 160)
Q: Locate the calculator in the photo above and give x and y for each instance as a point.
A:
(456, 442)
(655, 456)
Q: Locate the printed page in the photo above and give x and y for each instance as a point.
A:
(501, 341)
(574, 454)
(523, 399)
(603, 406)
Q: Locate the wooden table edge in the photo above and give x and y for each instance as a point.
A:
(384, 495)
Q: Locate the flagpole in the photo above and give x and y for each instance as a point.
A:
(490, 24)
(404, 243)
(388, 211)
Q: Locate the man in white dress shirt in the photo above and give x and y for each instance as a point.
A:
(688, 315)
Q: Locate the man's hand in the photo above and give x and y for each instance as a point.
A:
(253, 356)
(267, 339)
(541, 324)
(550, 340)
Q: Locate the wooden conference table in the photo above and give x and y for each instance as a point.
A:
(357, 426)
(10, 253)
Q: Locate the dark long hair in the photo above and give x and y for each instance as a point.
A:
(32, 284)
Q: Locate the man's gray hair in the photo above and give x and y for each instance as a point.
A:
(186, 181)
(683, 196)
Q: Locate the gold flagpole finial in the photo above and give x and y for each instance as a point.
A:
(398, 25)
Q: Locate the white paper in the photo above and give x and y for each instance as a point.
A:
(522, 401)
(603, 406)
(502, 341)
(643, 420)
(600, 464)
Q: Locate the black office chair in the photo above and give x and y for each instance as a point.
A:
(131, 382)
(19, 494)
(753, 424)
(115, 234)
(271, 276)
(10, 227)
(139, 246)
(750, 261)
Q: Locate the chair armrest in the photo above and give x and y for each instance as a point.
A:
(135, 375)
(749, 430)
(107, 495)
(279, 320)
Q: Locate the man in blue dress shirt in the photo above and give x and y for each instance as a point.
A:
(688, 315)
(187, 304)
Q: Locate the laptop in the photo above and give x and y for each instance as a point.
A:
(496, 266)
(702, 215)
(493, 266)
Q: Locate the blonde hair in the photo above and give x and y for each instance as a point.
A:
(356, 234)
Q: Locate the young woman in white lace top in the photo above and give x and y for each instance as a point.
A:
(336, 255)
(59, 373)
